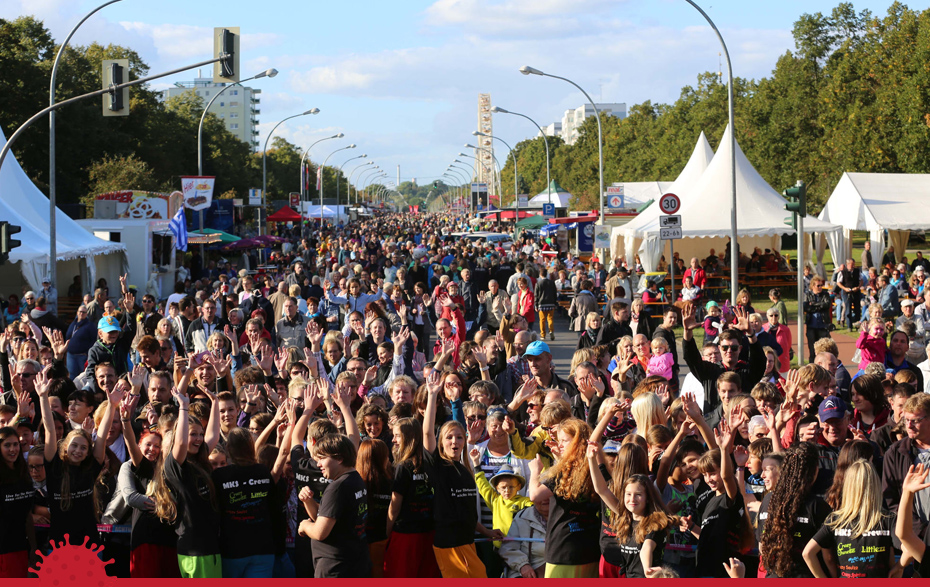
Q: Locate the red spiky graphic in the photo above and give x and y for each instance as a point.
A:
(72, 564)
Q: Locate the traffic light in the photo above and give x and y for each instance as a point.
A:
(115, 72)
(226, 49)
(797, 199)
(436, 184)
(7, 244)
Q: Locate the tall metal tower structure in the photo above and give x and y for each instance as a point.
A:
(484, 166)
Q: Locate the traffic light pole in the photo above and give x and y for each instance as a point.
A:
(800, 290)
(9, 143)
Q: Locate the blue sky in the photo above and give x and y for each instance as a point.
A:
(401, 79)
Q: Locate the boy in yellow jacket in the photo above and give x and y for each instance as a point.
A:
(501, 493)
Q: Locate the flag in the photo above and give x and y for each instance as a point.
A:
(319, 178)
(306, 177)
(178, 226)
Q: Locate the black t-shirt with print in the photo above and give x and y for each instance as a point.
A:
(573, 530)
(344, 552)
(455, 505)
(631, 564)
(379, 501)
(702, 495)
(809, 518)
(247, 498)
(79, 520)
(416, 509)
(198, 523)
(306, 474)
(16, 501)
(719, 540)
(147, 528)
(865, 557)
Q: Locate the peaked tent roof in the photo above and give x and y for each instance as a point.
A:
(24, 205)
(705, 209)
(701, 157)
(559, 196)
(285, 214)
(874, 201)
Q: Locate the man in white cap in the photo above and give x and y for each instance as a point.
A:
(909, 314)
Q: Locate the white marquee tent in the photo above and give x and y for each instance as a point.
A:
(700, 158)
(705, 213)
(79, 252)
(896, 202)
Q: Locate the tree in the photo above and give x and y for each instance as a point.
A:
(112, 174)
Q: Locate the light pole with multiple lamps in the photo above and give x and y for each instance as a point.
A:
(264, 162)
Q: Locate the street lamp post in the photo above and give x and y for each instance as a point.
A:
(264, 162)
(303, 159)
(527, 70)
(515, 196)
(323, 178)
(734, 256)
(52, 203)
(364, 177)
(267, 73)
(338, 171)
(349, 181)
(545, 141)
(496, 162)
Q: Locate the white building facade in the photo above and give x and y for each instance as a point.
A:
(238, 107)
(573, 119)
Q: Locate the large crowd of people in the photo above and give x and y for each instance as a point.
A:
(380, 399)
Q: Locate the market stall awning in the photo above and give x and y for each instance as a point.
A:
(532, 222)
(285, 214)
(505, 214)
(212, 235)
(570, 219)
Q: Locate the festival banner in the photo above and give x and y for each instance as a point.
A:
(198, 191)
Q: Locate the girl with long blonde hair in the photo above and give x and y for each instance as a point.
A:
(856, 539)
(72, 468)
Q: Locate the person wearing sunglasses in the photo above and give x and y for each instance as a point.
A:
(729, 344)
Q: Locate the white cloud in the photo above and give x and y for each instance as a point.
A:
(519, 17)
(181, 42)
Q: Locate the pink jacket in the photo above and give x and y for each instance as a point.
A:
(661, 365)
(873, 350)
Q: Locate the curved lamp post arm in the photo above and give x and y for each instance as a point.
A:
(52, 180)
(734, 270)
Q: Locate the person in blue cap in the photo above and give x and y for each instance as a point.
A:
(539, 357)
(112, 346)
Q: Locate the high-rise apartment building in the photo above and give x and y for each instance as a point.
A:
(573, 119)
(238, 107)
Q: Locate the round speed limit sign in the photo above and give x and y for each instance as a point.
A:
(669, 203)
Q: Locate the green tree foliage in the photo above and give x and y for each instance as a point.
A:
(111, 174)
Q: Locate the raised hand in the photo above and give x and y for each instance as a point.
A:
(370, 374)
(222, 366)
(742, 318)
(741, 456)
(480, 356)
(725, 436)
(475, 456)
(434, 383)
(400, 339)
(43, 382)
(280, 360)
(315, 334)
(343, 397)
(687, 317)
(265, 358)
(475, 430)
(482, 297)
(916, 479)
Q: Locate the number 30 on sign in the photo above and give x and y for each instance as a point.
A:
(669, 203)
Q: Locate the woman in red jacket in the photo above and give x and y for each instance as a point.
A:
(526, 302)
